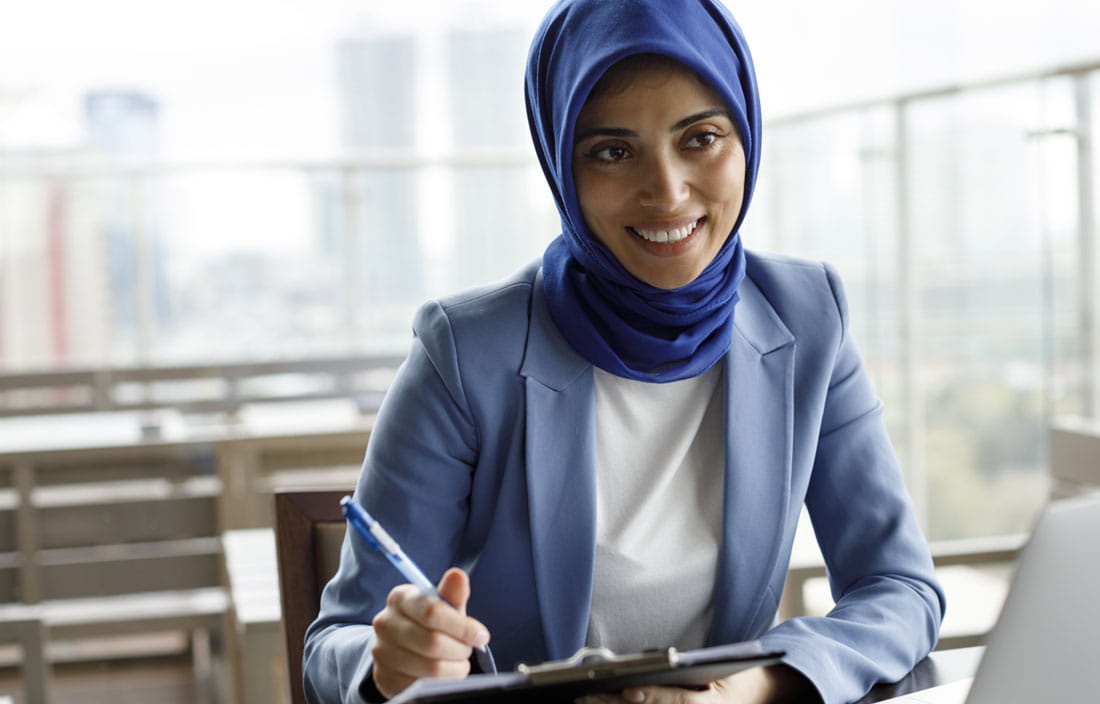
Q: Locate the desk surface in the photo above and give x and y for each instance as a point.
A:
(941, 667)
(253, 574)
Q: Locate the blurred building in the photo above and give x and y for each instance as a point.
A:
(492, 204)
(83, 271)
(382, 219)
(126, 125)
(36, 317)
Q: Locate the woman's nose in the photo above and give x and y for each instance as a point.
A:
(665, 184)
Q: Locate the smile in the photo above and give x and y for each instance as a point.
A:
(667, 236)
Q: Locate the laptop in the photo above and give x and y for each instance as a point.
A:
(1045, 646)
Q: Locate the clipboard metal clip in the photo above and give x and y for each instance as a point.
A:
(597, 663)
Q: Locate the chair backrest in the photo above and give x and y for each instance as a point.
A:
(309, 529)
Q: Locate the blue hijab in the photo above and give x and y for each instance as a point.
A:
(619, 323)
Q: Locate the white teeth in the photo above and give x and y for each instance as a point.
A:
(667, 235)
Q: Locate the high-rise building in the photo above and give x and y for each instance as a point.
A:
(382, 216)
(38, 297)
(122, 123)
(127, 124)
(492, 229)
(83, 267)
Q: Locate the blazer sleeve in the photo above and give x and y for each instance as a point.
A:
(416, 481)
(888, 605)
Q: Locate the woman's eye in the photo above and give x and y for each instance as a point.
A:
(701, 140)
(613, 152)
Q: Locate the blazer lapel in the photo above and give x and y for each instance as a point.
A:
(759, 417)
(561, 484)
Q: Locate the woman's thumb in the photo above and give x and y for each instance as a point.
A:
(454, 587)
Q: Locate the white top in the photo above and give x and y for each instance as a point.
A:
(659, 483)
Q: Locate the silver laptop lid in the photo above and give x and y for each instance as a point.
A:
(1046, 644)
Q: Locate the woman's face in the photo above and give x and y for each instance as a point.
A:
(660, 172)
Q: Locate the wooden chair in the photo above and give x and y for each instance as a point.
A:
(309, 529)
(105, 540)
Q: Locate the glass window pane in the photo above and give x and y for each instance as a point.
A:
(982, 307)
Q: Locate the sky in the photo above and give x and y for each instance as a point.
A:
(257, 75)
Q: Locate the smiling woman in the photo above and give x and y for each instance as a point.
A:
(659, 168)
(614, 445)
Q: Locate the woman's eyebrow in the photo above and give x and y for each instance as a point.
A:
(623, 132)
(692, 119)
(603, 132)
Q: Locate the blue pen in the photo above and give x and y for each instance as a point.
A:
(381, 541)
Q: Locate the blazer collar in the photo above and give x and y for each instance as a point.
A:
(550, 359)
(756, 322)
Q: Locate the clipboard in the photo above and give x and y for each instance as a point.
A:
(590, 671)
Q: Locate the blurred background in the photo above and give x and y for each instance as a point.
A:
(269, 180)
(242, 182)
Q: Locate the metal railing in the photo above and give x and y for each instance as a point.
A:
(202, 388)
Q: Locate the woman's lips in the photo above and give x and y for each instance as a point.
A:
(670, 235)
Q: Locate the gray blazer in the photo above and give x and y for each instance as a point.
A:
(483, 457)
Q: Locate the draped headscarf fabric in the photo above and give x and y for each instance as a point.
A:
(619, 323)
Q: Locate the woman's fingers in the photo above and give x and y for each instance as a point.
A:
(751, 686)
(396, 668)
(407, 649)
(424, 636)
(652, 695)
(422, 625)
(658, 695)
(454, 586)
(437, 615)
(648, 695)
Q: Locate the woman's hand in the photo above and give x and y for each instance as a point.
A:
(757, 685)
(421, 636)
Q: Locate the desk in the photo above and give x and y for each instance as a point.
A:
(257, 655)
(941, 667)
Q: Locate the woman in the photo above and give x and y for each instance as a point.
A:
(614, 447)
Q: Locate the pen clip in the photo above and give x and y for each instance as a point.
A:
(347, 508)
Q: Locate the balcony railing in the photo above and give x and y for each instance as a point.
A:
(200, 389)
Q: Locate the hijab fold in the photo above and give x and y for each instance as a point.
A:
(619, 323)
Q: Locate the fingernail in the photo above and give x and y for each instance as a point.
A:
(634, 695)
(481, 639)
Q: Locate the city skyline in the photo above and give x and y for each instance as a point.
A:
(323, 258)
(257, 80)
